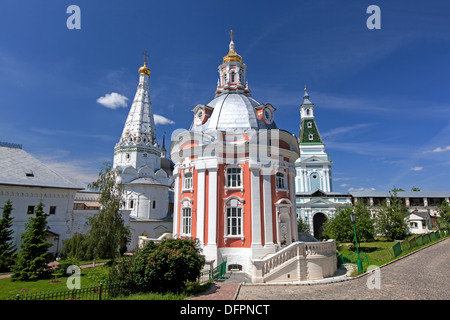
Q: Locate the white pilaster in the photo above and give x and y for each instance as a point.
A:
(267, 194)
(256, 212)
(200, 204)
(176, 197)
(294, 204)
(210, 250)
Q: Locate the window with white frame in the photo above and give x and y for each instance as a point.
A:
(234, 221)
(233, 76)
(234, 177)
(280, 180)
(186, 220)
(187, 181)
(309, 124)
(311, 137)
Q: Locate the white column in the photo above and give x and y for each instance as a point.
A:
(256, 212)
(303, 180)
(210, 250)
(294, 204)
(267, 194)
(176, 199)
(200, 204)
(327, 184)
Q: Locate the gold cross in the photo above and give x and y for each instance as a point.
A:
(231, 35)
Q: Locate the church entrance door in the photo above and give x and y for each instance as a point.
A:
(318, 220)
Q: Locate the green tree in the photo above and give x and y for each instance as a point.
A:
(340, 227)
(33, 257)
(108, 234)
(76, 247)
(391, 220)
(7, 247)
(444, 214)
(303, 225)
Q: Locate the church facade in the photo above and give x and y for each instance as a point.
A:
(234, 174)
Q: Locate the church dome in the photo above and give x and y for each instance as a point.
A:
(144, 69)
(233, 111)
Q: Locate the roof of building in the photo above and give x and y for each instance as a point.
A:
(233, 111)
(401, 194)
(17, 167)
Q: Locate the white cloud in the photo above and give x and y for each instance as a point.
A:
(344, 185)
(417, 169)
(113, 100)
(341, 130)
(162, 120)
(361, 189)
(439, 149)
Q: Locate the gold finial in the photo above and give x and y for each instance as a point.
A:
(232, 55)
(144, 69)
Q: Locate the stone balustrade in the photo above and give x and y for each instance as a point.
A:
(299, 261)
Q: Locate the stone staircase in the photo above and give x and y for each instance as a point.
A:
(300, 261)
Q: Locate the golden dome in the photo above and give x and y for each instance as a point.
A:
(144, 69)
(232, 55)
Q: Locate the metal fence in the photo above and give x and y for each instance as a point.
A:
(98, 292)
(214, 274)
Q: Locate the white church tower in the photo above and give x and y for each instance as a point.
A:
(314, 165)
(138, 157)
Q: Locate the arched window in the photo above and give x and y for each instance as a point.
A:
(233, 76)
(186, 220)
(234, 221)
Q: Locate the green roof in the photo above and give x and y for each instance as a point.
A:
(308, 127)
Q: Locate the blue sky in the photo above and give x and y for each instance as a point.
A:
(381, 96)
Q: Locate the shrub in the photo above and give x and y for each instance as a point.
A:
(122, 272)
(65, 263)
(99, 274)
(168, 265)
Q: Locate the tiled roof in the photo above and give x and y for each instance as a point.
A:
(17, 167)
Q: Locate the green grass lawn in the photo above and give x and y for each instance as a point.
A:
(11, 288)
(378, 251)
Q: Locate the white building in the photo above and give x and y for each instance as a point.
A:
(26, 181)
(422, 205)
(315, 199)
(144, 169)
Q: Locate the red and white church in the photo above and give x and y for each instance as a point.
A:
(234, 174)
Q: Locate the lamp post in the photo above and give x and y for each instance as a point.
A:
(358, 262)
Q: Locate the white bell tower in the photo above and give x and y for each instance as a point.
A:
(314, 165)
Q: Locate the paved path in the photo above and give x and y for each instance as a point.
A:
(226, 289)
(423, 275)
